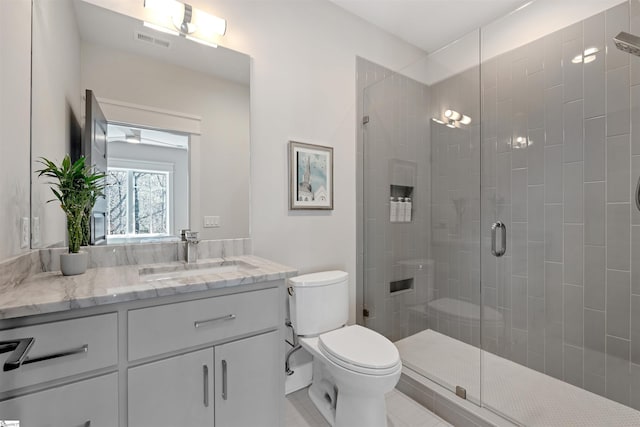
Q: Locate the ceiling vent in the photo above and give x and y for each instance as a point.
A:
(146, 38)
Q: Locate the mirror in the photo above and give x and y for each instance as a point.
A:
(177, 113)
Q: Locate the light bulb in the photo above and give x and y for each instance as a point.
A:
(453, 115)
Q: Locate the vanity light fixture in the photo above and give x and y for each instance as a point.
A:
(449, 123)
(454, 118)
(521, 142)
(182, 19)
(465, 120)
(453, 115)
(589, 55)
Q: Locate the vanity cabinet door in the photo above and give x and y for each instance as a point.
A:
(247, 386)
(177, 391)
(89, 403)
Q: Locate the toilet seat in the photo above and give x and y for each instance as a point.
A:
(360, 350)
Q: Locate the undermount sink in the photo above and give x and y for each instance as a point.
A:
(177, 271)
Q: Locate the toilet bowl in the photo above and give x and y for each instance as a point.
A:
(353, 367)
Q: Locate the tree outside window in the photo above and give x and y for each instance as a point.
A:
(138, 202)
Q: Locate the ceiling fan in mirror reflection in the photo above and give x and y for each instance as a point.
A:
(182, 19)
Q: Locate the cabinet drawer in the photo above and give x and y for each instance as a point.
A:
(170, 327)
(97, 333)
(91, 402)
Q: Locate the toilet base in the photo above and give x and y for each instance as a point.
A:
(343, 405)
(350, 411)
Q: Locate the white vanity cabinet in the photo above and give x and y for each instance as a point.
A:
(88, 403)
(234, 381)
(61, 352)
(62, 349)
(246, 382)
(172, 392)
(180, 390)
(205, 359)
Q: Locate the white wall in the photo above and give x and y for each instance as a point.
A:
(218, 158)
(302, 88)
(15, 40)
(56, 106)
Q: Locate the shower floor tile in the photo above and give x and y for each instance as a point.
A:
(524, 395)
(401, 412)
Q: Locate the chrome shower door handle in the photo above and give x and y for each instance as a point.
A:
(503, 247)
(638, 194)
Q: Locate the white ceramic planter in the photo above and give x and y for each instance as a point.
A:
(72, 264)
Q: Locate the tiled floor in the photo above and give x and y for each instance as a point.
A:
(401, 412)
(522, 394)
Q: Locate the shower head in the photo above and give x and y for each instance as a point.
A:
(628, 43)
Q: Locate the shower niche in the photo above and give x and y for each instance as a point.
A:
(401, 286)
(403, 175)
(400, 203)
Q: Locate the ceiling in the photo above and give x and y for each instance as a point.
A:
(429, 24)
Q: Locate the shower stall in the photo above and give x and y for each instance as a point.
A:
(499, 214)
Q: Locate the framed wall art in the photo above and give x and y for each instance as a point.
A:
(310, 176)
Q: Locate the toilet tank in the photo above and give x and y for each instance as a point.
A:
(319, 302)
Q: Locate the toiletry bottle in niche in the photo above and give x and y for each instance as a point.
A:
(393, 210)
(402, 205)
(407, 209)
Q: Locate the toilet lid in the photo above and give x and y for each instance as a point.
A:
(360, 349)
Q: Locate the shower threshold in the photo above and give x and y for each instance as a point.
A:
(518, 393)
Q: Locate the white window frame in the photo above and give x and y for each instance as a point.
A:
(144, 166)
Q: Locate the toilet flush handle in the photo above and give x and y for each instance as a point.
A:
(290, 291)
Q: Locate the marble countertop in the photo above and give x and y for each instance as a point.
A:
(52, 292)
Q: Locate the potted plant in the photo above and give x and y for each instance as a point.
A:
(76, 186)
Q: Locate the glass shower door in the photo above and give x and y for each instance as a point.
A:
(453, 358)
(397, 272)
(421, 181)
(557, 170)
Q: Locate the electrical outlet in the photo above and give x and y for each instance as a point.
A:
(35, 231)
(24, 233)
(211, 221)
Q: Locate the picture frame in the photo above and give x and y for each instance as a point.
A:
(310, 176)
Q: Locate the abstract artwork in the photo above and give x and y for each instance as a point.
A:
(310, 176)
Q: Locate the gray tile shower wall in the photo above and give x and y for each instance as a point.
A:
(455, 206)
(556, 157)
(394, 146)
(560, 163)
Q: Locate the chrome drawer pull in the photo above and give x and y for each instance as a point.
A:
(79, 350)
(20, 349)
(199, 323)
(205, 378)
(224, 380)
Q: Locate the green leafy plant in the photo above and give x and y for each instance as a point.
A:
(76, 186)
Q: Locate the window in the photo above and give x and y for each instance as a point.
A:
(138, 202)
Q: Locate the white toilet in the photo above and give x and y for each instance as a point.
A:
(353, 367)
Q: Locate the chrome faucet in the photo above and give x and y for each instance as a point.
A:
(191, 239)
